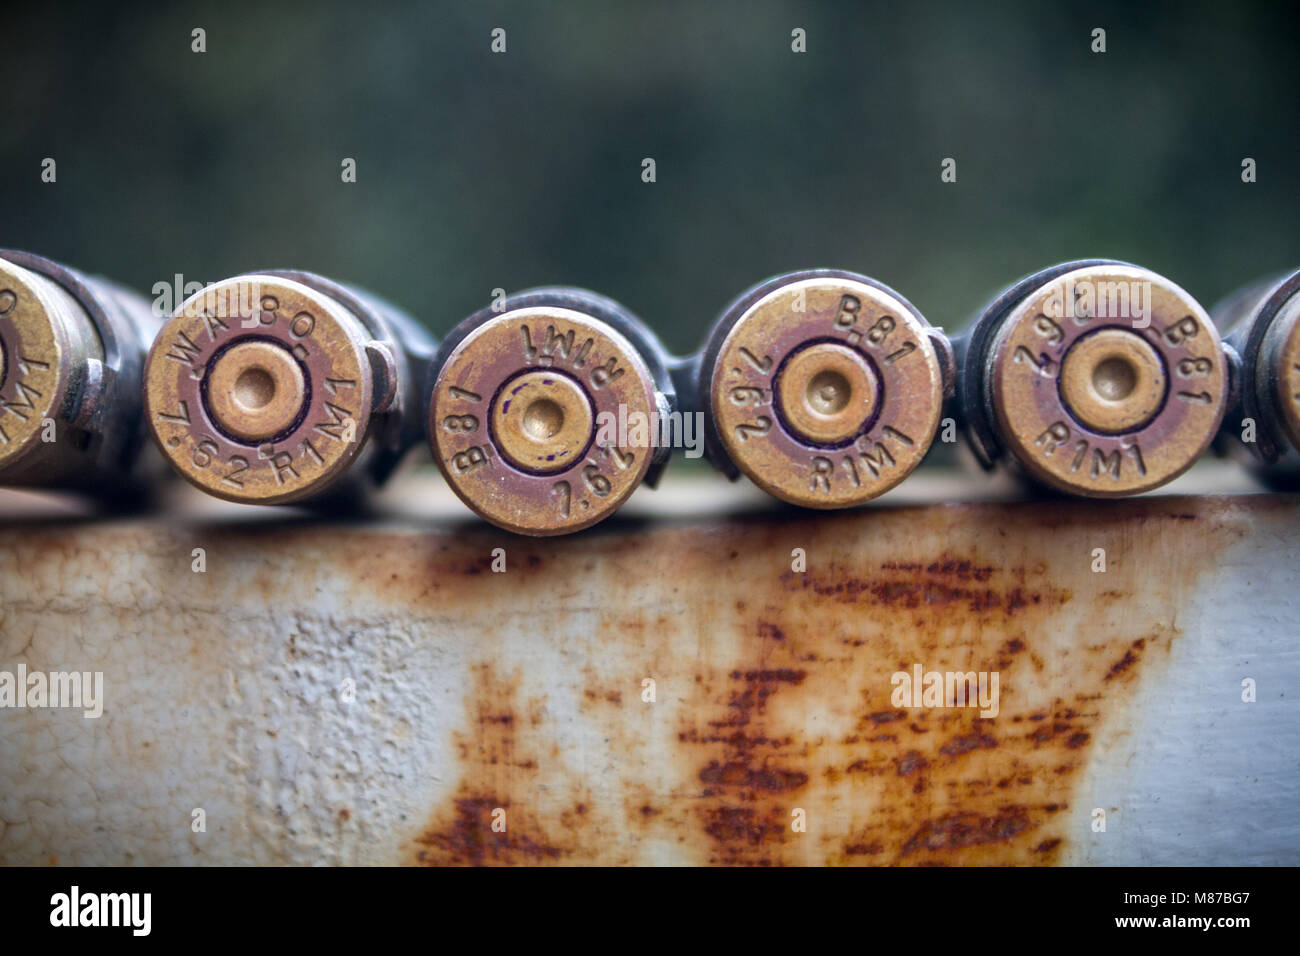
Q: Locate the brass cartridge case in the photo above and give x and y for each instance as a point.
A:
(824, 388)
(1261, 323)
(545, 411)
(71, 352)
(1095, 378)
(271, 387)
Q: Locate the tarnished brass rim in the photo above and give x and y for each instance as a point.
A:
(1056, 444)
(325, 341)
(35, 318)
(615, 382)
(776, 449)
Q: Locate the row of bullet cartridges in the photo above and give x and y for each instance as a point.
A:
(548, 408)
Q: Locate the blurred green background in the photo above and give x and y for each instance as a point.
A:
(478, 170)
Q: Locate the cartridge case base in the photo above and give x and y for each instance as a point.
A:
(543, 417)
(71, 349)
(1283, 349)
(260, 389)
(824, 388)
(1105, 380)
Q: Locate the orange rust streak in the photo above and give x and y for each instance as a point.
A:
(774, 687)
(486, 827)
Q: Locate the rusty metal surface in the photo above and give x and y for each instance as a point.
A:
(523, 692)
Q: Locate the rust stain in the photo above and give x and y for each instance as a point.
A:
(1131, 656)
(961, 830)
(470, 838)
(746, 785)
(924, 783)
(772, 736)
(776, 738)
(482, 824)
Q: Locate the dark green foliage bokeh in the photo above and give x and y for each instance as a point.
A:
(478, 171)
